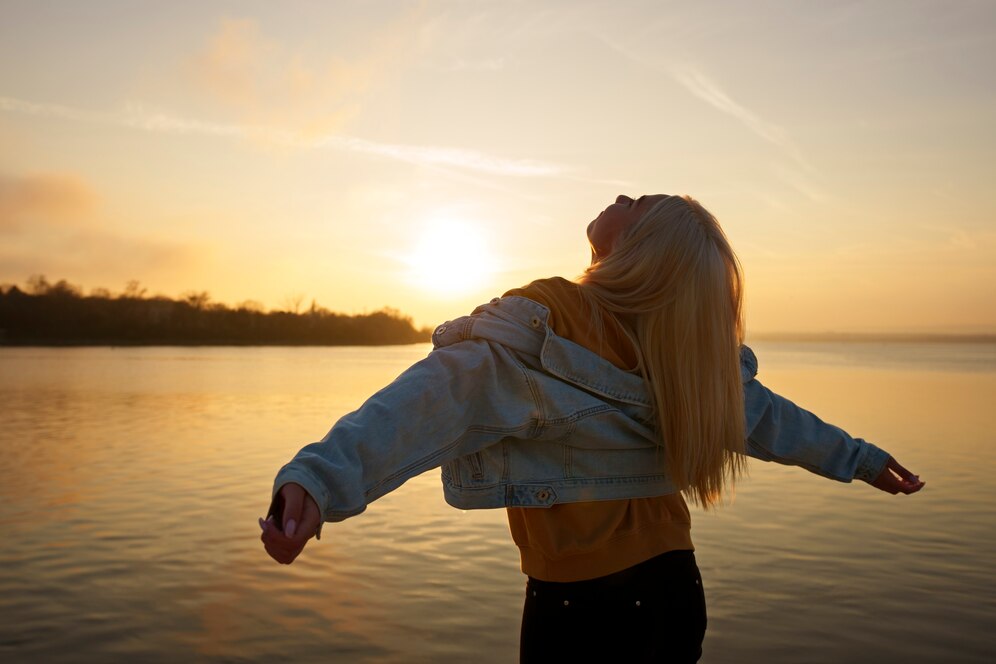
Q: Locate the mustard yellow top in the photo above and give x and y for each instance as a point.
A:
(578, 541)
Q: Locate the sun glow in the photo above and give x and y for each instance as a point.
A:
(452, 257)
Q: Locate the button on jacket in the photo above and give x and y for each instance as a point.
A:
(519, 417)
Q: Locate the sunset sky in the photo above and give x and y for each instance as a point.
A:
(428, 156)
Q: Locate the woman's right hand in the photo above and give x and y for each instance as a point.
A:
(300, 520)
(896, 479)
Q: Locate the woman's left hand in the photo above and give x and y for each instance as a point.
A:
(896, 479)
(300, 517)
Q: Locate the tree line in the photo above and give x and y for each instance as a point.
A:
(45, 313)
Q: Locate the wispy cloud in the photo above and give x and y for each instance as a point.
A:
(708, 91)
(134, 116)
(49, 224)
(12, 105)
(265, 82)
(47, 198)
(97, 256)
(801, 183)
(701, 86)
(484, 64)
(137, 116)
(441, 156)
(800, 177)
(957, 237)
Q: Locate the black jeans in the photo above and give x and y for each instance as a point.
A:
(651, 612)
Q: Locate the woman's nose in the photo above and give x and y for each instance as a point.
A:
(623, 199)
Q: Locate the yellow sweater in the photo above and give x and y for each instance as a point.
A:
(578, 541)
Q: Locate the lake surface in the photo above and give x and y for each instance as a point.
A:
(131, 480)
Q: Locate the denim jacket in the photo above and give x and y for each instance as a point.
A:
(519, 417)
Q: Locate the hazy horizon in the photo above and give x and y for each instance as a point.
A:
(986, 335)
(428, 156)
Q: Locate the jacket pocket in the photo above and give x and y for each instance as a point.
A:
(470, 471)
(476, 466)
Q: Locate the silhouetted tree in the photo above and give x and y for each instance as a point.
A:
(38, 284)
(133, 290)
(292, 303)
(198, 300)
(60, 314)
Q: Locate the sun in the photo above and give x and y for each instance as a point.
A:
(451, 257)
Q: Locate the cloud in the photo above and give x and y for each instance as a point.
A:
(961, 238)
(483, 64)
(264, 82)
(283, 98)
(44, 198)
(140, 117)
(49, 225)
(801, 183)
(12, 105)
(708, 91)
(441, 156)
(799, 178)
(96, 256)
(225, 65)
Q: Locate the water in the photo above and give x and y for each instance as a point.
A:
(131, 480)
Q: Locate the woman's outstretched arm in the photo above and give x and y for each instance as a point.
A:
(780, 431)
(430, 414)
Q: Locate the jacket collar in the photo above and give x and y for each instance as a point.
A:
(562, 357)
(522, 325)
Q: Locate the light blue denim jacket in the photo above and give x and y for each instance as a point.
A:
(519, 417)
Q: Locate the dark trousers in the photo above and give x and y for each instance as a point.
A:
(651, 612)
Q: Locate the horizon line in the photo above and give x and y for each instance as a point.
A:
(975, 336)
(906, 337)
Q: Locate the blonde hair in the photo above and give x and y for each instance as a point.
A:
(675, 285)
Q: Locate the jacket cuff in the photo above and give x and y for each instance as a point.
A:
(871, 463)
(312, 487)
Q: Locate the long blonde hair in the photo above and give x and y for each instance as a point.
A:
(675, 285)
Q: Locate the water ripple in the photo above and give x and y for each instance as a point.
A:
(132, 478)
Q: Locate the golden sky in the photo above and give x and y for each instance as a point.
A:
(428, 156)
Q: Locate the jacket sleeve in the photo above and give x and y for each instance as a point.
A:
(445, 406)
(778, 430)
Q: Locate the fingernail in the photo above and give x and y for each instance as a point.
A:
(262, 524)
(290, 528)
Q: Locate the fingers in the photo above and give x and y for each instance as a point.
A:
(889, 484)
(301, 520)
(896, 479)
(898, 469)
(310, 521)
(293, 505)
(906, 482)
(911, 484)
(280, 547)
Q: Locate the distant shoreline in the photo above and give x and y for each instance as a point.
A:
(846, 338)
(59, 315)
(194, 344)
(872, 337)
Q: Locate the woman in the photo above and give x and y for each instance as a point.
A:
(607, 402)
